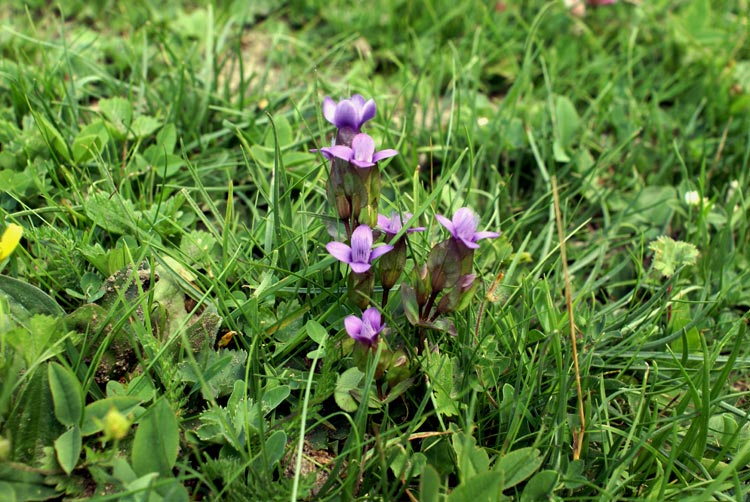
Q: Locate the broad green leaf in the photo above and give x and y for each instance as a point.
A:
(540, 486)
(25, 300)
(32, 424)
(346, 383)
(66, 394)
(156, 440)
(516, 466)
(440, 371)
(273, 450)
(52, 136)
(68, 448)
(37, 339)
(90, 142)
(471, 459)
(567, 120)
(429, 485)
(315, 331)
(481, 488)
(21, 484)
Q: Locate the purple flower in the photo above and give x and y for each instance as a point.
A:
(361, 154)
(349, 113)
(463, 227)
(361, 254)
(393, 225)
(366, 329)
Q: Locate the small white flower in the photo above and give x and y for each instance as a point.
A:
(483, 121)
(692, 198)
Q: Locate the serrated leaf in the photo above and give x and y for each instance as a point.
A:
(156, 440)
(144, 125)
(68, 448)
(113, 214)
(119, 113)
(67, 395)
(670, 254)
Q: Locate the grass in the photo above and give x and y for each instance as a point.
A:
(171, 325)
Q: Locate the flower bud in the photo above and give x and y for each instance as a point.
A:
(116, 425)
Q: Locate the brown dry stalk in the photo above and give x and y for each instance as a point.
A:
(577, 437)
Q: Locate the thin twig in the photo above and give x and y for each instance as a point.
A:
(577, 438)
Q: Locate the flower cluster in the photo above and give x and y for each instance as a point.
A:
(444, 284)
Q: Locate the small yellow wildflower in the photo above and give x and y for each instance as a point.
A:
(10, 239)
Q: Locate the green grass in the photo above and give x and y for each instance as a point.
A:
(171, 325)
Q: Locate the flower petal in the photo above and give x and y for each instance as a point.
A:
(485, 235)
(386, 224)
(358, 100)
(384, 154)
(371, 316)
(359, 268)
(340, 251)
(329, 110)
(468, 243)
(362, 164)
(380, 251)
(368, 111)
(347, 115)
(353, 325)
(339, 151)
(448, 224)
(465, 222)
(364, 147)
(10, 239)
(361, 244)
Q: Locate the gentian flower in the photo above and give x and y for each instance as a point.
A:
(10, 239)
(349, 113)
(393, 225)
(366, 329)
(362, 152)
(361, 254)
(463, 227)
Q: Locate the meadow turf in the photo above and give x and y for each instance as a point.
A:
(172, 326)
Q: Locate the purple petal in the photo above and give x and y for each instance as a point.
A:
(361, 245)
(384, 154)
(386, 224)
(371, 317)
(468, 243)
(362, 164)
(353, 325)
(448, 224)
(329, 110)
(485, 235)
(359, 268)
(368, 111)
(364, 147)
(358, 100)
(347, 115)
(465, 223)
(340, 251)
(339, 151)
(380, 251)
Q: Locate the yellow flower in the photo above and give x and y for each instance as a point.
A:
(10, 239)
